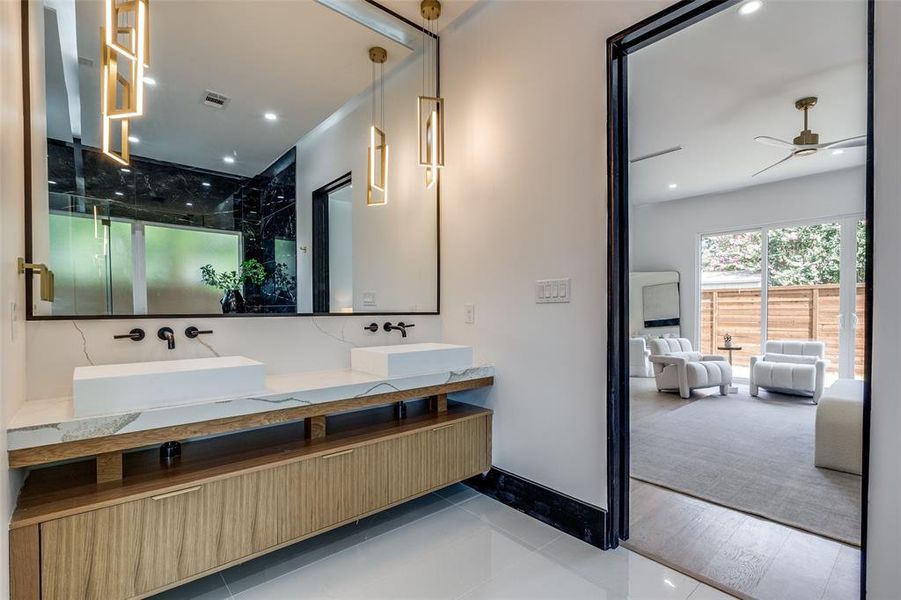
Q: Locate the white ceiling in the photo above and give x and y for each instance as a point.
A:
(298, 59)
(714, 86)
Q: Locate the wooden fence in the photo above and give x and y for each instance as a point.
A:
(802, 312)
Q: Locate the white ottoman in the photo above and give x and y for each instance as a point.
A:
(839, 427)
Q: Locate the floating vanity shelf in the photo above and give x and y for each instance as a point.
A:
(78, 534)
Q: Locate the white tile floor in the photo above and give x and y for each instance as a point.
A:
(453, 544)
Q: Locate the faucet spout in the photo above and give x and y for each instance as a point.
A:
(401, 327)
(166, 334)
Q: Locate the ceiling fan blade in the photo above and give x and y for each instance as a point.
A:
(852, 142)
(771, 141)
(774, 164)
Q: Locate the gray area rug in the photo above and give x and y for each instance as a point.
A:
(752, 454)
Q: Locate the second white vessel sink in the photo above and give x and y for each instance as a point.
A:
(107, 389)
(411, 359)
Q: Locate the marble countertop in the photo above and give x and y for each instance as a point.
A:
(52, 421)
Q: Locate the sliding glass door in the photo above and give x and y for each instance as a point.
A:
(793, 282)
(803, 295)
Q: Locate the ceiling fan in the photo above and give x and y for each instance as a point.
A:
(808, 142)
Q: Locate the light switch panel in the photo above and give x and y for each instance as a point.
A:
(551, 291)
(469, 313)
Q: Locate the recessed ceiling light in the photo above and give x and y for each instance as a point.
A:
(134, 139)
(281, 197)
(752, 6)
(673, 186)
(205, 184)
(119, 194)
(149, 80)
(51, 182)
(838, 151)
(228, 159)
(124, 170)
(189, 204)
(270, 116)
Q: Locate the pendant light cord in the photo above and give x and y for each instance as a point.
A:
(382, 97)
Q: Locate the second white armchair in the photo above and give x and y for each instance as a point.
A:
(790, 367)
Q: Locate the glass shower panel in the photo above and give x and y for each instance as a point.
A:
(92, 263)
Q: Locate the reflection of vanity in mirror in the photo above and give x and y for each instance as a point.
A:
(654, 311)
(243, 185)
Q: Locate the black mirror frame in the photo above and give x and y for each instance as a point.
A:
(29, 192)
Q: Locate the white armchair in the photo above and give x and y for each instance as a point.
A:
(639, 366)
(790, 367)
(679, 368)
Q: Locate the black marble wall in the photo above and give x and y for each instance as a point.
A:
(268, 214)
(263, 207)
(146, 190)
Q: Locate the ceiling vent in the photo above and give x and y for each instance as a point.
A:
(215, 99)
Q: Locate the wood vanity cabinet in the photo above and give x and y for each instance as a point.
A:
(132, 548)
(156, 529)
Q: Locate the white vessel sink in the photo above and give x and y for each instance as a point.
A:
(130, 387)
(410, 359)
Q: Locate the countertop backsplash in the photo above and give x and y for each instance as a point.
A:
(284, 344)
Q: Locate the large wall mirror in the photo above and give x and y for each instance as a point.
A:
(245, 189)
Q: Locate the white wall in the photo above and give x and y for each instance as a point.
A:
(884, 531)
(664, 236)
(523, 197)
(12, 300)
(394, 246)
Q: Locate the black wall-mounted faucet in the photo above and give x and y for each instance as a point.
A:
(166, 333)
(401, 327)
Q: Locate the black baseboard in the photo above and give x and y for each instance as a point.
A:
(577, 518)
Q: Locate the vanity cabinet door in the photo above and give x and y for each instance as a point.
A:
(350, 483)
(300, 506)
(137, 547)
(460, 450)
(408, 466)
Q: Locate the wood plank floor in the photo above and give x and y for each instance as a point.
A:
(744, 555)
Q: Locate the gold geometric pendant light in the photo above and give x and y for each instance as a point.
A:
(377, 175)
(429, 106)
(124, 54)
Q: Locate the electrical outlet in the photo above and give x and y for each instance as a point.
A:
(552, 291)
(469, 313)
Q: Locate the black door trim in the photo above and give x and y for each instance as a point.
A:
(319, 245)
(619, 46)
